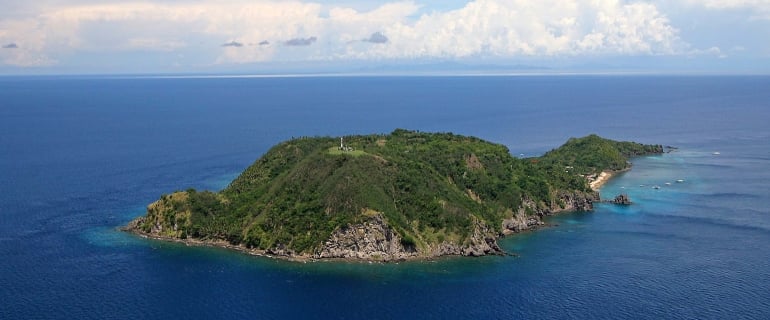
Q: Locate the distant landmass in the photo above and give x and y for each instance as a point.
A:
(401, 196)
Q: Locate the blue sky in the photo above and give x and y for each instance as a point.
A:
(253, 36)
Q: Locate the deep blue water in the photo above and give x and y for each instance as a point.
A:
(81, 156)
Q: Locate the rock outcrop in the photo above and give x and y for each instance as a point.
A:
(371, 240)
(374, 240)
(530, 214)
(622, 199)
(574, 201)
(521, 222)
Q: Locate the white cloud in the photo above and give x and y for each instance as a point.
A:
(499, 28)
(713, 51)
(722, 4)
(347, 24)
(760, 9)
(516, 27)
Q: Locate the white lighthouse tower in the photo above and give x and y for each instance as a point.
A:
(343, 147)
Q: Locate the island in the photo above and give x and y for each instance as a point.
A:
(406, 195)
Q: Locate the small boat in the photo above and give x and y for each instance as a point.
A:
(716, 153)
(668, 183)
(680, 181)
(641, 186)
(656, 187)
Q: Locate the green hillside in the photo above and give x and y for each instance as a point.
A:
(435, 193)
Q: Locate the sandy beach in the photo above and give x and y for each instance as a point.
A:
(601, 180)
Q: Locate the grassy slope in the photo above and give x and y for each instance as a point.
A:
(430, 187)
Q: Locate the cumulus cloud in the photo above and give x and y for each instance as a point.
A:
(523, 28)
(11, 46)
(299, 42)
(376, 37)
(496, 28)
(233, 44)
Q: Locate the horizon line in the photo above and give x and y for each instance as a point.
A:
(331, 74)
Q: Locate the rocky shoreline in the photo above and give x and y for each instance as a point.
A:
(375, 241)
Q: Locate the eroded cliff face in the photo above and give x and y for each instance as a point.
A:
(529, 215)
(374, 240)
(371, 240)
(482, 242)
(574, 201)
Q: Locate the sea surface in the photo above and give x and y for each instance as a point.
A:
(81, 156)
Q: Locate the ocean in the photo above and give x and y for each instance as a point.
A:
(81, 156)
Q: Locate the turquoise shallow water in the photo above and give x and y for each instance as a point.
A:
(80, 157)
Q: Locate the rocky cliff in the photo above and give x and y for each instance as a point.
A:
(370, 240)
(374, 240)
(529, 215)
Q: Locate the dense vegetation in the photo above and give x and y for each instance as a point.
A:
(429, 186)
(593, 153)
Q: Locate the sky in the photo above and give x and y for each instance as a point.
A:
(255, 36)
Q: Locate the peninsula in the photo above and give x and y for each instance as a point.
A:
(401, 196)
